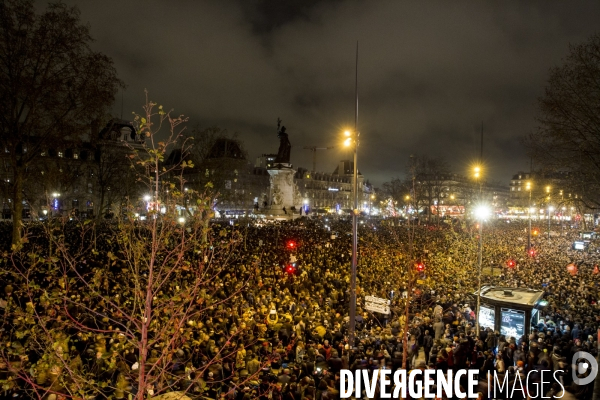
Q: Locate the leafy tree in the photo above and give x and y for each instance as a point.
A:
(52, 86)
(568, 137)
(125, 318)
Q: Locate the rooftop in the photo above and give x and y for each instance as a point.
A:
(521, 296)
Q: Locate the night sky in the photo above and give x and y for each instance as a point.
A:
(430, 73)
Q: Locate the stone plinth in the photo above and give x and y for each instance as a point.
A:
(282, 190)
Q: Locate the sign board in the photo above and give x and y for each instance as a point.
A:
(512, 322)
(376, 300)
(380, 308)
(487, 317)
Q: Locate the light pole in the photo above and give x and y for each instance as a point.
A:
(477, 175)
(550, 209)
(352, 140)
(481, 213)
(528, 188)
(548, 204)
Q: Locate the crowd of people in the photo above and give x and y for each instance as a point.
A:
(287, 292)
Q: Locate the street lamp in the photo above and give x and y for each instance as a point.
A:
(352, 140)
(477, 173)
(482, 212)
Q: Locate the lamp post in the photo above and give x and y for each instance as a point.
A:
(371, 198)
(481, 213)
(550, 209)
(528, 188)
(352, 140)
(477, 175)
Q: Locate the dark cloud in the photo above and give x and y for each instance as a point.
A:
(429, 72)
(265, 16)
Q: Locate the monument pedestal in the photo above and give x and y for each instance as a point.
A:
(282, 190)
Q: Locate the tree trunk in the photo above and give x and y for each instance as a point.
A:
(17, 207)
(101, 208)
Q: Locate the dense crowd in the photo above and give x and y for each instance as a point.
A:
(287, 291)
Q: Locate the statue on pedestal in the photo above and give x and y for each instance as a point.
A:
(285, 147)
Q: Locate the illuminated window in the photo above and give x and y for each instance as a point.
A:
(60, 154)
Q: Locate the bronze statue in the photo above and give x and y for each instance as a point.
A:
(285, 147)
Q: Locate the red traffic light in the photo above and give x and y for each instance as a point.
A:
(291, 244)
(290, 269)
(532, 252)
(510, 264)
(420, 267)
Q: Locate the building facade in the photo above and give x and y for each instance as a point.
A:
(82, 178)
(329, 192)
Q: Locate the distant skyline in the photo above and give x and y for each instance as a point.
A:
(429, 72)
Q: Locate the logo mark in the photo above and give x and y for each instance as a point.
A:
(580, 367)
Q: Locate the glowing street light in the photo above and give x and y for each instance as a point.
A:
(482, 212)
(147, 197)
(477, 172)
(352, 140)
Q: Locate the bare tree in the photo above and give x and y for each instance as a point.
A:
(221, 169)
(52, 85)
(431, 181)
(568, 137)
(115, 178)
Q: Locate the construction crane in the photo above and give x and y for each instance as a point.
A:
(314, 150)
